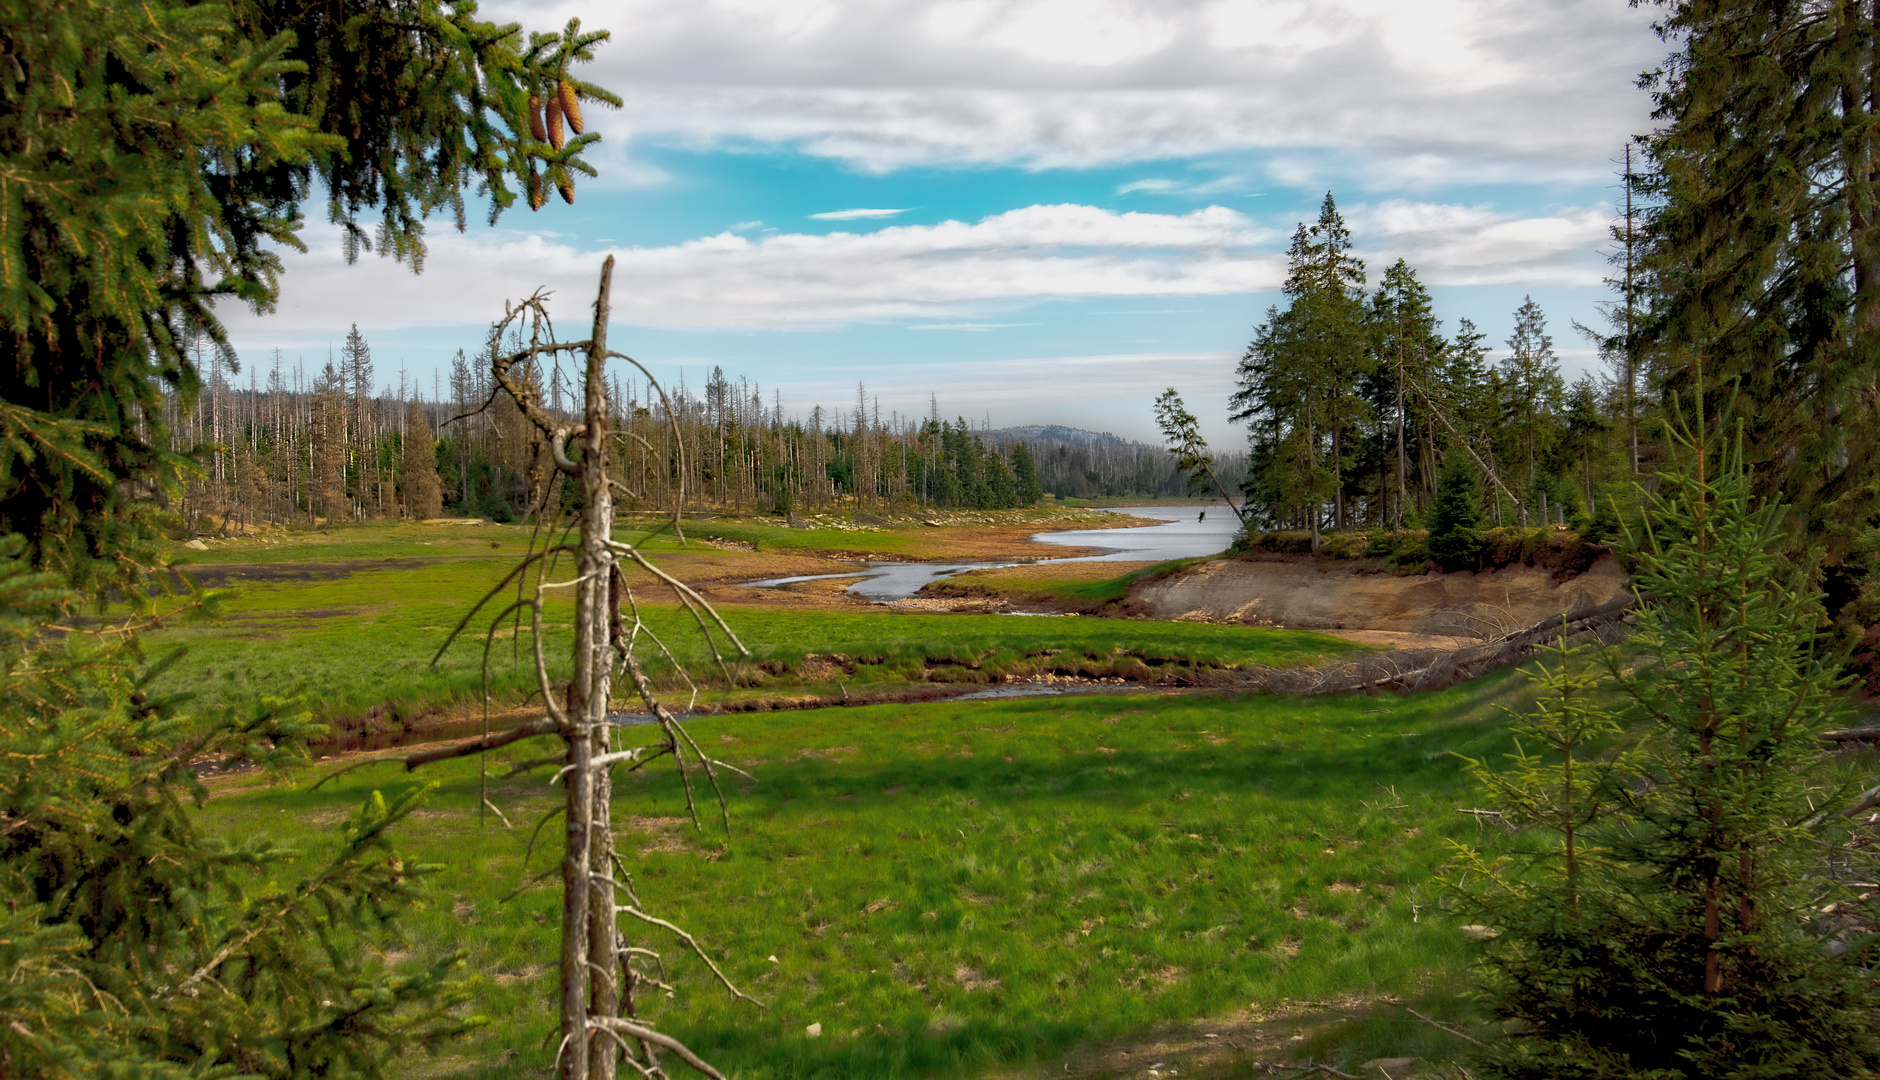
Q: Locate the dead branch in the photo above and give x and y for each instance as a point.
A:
(667, 1041)
(1273, 1067)
(527, 885)
(1447, 1029)
(692, 943)
(544, 726)
(337, 773)
(1867, 801)
(504, 818)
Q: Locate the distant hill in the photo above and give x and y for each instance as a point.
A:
(1060, 434)
(1088, 464)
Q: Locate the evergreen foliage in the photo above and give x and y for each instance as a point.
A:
(1352, 401)
(138, 947)
(1182, 430)
(1409, 347)
(1456, 541)
(157, 157)
(1661, 919)
(1299, 381)
(1761, 253)
(1026, 471)
(1532, 390)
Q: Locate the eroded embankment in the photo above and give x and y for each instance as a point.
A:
(1309, 594)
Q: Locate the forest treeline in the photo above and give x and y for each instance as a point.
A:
(336, 445)
(1355, 399)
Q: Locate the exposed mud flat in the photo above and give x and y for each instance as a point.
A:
(1308, 594)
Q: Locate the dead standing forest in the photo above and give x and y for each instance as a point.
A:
(294, 448)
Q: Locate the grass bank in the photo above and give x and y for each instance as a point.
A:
(957, 889)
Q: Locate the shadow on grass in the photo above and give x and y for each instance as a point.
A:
(955, 889)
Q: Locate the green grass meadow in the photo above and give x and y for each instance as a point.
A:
(955, 889)
(349, 623)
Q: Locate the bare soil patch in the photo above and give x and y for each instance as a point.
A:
(1322, 595)
(1237, 1045)
(216, 575)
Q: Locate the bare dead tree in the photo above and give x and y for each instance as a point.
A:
(600, 969)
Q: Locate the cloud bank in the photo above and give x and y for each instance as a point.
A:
(948, 272)
(1428, 92)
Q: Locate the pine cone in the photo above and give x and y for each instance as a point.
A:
(570, 105)
(567, 189)
(555, 138)
(535, 119)
(536, 197)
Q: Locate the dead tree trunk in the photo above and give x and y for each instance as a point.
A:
(598, 1019)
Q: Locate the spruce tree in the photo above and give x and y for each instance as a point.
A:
(1299, 380)
(1456, 541)
(1409, 354)
(1533, 394)
(1662, 920)
(1760, 249)
(135, 945)
(1026, 469)
(158, 154)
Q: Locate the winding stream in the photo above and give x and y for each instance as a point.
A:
(1190, 531)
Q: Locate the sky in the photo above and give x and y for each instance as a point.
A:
(1023, 211)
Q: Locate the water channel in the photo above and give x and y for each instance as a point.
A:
(1189, 532)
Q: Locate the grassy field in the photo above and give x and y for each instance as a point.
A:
(958, 889)
(349, 622)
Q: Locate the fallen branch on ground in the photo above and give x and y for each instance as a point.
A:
(1446, 1029)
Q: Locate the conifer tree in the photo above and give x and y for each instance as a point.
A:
(136, 946)
(158, 154)
(1675, 935)
(1533, 392)
(1298, 382)
(1455, 540)
(356, 375)
(1409, 353)
(417, 467)
(1026, 470)
(1183, 431)
(1761, 251)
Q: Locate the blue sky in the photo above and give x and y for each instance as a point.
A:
(1075, 202)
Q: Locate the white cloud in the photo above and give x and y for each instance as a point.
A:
(797, 280)
(956, 273)
(856, 215)
(746, 226)
(1218, 185)
(972, 326)
(1457, 89)
(1474, 245)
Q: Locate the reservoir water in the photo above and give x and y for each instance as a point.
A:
(1189, 532)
